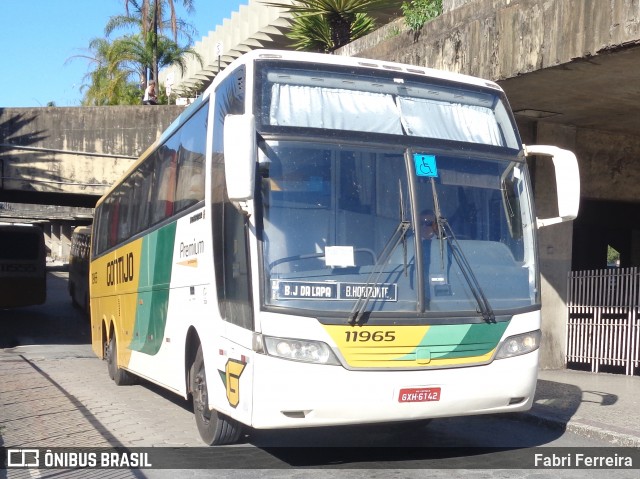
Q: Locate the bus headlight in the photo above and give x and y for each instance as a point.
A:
(519, 344)
(299, 350)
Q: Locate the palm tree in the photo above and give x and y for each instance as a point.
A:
(340, 14)
(163, 51)
(150, 17)
(312, 32)
(115, 62)
(108, 79)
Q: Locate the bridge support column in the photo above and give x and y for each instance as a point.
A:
(58, 241)
(65, 242)
(554, 249)
(46, 229)
(55, 241)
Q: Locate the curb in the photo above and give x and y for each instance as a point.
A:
(616, 438)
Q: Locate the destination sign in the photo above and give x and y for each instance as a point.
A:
(299, 289)
(335, 291)
(387, 292)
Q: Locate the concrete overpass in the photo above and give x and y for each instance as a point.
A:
(56, 162)
(70, 156)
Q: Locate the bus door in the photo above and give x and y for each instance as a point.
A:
(233, 281)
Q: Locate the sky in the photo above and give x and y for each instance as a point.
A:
(39, 38)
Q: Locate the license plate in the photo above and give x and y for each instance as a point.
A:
(419, 394)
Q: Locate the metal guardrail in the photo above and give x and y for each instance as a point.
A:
(603, 318)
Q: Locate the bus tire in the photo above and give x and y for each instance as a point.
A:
(119, 375)
(214, 428)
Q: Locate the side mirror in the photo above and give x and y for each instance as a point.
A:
(240, 156)
(567, 181)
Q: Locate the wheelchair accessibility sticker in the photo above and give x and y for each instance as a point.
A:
(425, 165)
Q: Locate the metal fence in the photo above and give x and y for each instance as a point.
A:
(603, 324)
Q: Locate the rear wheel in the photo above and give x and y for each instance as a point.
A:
(119, 375)
(214, 428)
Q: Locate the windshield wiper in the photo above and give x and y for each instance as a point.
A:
(398, 236)
(445, 232)
(360, 305)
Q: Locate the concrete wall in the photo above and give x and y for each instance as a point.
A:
(499, 39)
(448, 5)
(609, 167)
(75, 150)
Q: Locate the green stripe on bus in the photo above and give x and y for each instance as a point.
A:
(460, 340)
(153, 296)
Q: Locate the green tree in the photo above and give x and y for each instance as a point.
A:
(418, 12)
(340, 14)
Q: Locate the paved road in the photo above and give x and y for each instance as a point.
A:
(55, 393)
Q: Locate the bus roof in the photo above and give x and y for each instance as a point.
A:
(356, 62)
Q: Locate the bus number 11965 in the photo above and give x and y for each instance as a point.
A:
(364, 336)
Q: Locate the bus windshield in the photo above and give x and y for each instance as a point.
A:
(330, 210)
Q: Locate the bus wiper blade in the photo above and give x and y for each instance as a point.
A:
(446, 233)
(355, 316)
(460, 258)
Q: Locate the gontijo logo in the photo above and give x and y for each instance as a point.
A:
(120, 270)
(231, 379)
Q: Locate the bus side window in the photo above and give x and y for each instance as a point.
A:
(109, 219)
(164, 189)
(190, 185)
(142, 197)
(190, 180)
(97, 239)
(126, 210)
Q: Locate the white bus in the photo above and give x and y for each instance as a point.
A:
(322, 240)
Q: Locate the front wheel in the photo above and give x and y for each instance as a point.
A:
(214, 428)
